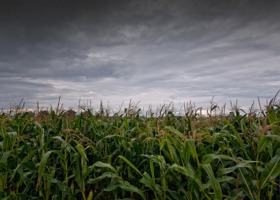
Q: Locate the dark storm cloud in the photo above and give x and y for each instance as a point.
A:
(145, 50)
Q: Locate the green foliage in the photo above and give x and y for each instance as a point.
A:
(53, 155)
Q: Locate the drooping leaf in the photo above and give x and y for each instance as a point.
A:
(178, 133)
(130, 164)
(187, 171)
(104, 165)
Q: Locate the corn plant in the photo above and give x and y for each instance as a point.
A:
(56, 154)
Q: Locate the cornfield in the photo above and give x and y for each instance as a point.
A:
(63, 155)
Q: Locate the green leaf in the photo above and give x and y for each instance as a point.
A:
(263, 144)
(103, 176)
(100, 165)
(111, 187)
(208, 158)
(187, 171)
(104, 165)
(178, 133)
(25, 159)
(272, 117)
(130, 164)
(247, 180)
(5, 156)
(242, 164)
(125, 185)
(215, 184)
(271, 171)
(172, 152)
(190, 146)
(238, 138)
(162, 144)
(147, 181)
(152, 172)
(43, 163)
(81, 151)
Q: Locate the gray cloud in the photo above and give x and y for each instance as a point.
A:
(153, 51)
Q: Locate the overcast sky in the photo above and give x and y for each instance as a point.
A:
(152, 51)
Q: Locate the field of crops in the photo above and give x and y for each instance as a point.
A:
(91, 155)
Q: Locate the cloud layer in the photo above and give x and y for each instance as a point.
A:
(152, 51)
